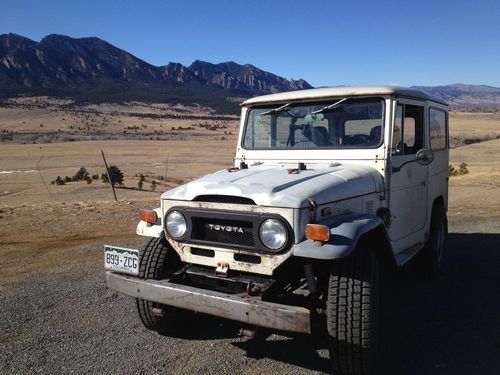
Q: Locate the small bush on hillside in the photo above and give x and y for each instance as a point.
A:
(462, 169)
(452, 171)
(59, 181)
(115, 174)
(140, 184)
(81, 175)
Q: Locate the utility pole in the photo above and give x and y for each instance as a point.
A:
(109, 177)
(166, 168)
(40, 173)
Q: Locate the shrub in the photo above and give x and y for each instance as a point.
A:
(153, 185)
(115, 174)
(462, 169)
(60, 181)
(452, 171)
(81, 175)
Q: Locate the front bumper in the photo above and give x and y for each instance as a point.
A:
(243, 309)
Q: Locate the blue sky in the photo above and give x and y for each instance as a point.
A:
(325, 42)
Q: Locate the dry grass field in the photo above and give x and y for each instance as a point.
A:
(44, 120)
(178, 161)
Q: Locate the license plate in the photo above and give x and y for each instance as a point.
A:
(121, 259)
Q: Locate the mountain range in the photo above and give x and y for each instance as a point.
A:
(91, 69)
(464, 96)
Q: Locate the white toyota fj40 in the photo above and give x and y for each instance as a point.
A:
(330, 187)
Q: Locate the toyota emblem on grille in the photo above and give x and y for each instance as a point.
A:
(225, 228)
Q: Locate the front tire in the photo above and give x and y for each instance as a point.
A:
(352, 313)
(158, 261)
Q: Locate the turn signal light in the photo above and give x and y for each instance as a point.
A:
(149, 216)
(317, 232)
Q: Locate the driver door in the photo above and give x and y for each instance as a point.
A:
(408, 187)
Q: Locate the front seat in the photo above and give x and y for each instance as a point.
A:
(320, 136)
(375, 135)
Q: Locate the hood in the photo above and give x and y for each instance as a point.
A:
(274, 186)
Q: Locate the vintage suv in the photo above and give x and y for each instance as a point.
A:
(330, 187)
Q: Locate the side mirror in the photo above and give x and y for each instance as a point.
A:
(424, 156)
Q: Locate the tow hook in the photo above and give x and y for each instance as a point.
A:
(222, 269)
(252, 289)
(247, 332)
(157, 311)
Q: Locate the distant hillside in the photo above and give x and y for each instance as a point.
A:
(94, 70)
(466, 96)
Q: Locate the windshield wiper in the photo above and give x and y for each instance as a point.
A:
(279, 109)
(329, 107)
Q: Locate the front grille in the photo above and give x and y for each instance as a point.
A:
(220, 231)
(228, 229)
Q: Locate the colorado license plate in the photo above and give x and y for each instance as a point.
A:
(121, 259)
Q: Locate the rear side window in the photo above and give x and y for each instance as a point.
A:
(437, 131)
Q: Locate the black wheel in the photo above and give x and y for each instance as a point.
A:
(432, 257)
(158, 261)
(352, 313)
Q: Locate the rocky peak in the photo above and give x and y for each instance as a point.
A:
(177, 73)
(10, 42)
(230, 75)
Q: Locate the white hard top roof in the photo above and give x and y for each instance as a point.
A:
(328, 92)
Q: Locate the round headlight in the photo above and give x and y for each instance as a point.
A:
(273, 234)
(176, 224)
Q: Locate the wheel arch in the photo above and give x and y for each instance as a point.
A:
(377, 240)
(346, 231)
(439, 200)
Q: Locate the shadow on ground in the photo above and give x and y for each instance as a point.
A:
(448, 326)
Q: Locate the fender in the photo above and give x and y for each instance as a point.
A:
(345, 231)
(151, 230)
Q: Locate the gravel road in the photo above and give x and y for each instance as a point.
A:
(71, 323)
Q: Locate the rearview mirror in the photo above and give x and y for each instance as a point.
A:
(424, 156)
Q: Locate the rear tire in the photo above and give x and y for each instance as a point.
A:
(352, 313)
(158, 261)
(431, 260)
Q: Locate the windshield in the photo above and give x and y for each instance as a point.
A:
(352, 123)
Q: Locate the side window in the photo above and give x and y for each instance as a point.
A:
(397, 134)
(437, 131)
(408, 135)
